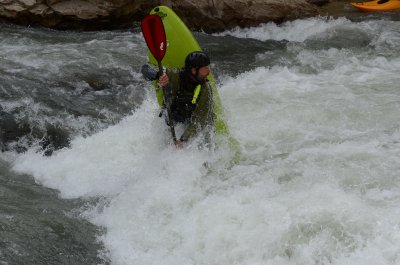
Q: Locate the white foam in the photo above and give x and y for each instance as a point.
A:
(298, 30)
(320, 28)
(94, 166)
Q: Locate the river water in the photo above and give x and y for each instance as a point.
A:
(88, 177)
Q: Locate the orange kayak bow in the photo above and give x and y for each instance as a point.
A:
(378, 5)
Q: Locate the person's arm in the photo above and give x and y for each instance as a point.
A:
(149, 73)
(202, 115)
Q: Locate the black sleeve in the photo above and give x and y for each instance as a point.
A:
(149, 73)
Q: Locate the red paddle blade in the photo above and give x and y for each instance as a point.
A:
(154, 35)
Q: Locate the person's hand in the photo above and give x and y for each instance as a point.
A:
(163, 80)
(179, 144)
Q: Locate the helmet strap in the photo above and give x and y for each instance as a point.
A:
(197, 74)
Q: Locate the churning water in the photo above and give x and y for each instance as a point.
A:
(88, 177)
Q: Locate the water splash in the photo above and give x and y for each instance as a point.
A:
(317, 183)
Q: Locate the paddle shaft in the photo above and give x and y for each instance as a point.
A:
(154, 34)
(166, 96)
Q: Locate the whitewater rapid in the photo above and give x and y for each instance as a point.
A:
(318, 180)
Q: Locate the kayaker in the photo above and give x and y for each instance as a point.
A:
(191, 95)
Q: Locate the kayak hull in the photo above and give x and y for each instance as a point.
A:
(181, 42)
(378, 5)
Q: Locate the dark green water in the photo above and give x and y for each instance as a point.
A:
(37, 227)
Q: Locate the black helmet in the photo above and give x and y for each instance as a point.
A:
(197, 60)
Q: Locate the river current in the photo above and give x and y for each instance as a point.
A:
(87, 175)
